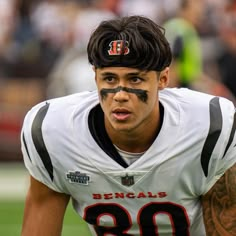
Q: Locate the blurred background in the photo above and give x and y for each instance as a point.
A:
(43, 55)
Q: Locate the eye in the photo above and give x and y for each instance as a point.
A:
(136, 80)
(109, 79)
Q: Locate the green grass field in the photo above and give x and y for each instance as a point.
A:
(13, 187)
(11, 213)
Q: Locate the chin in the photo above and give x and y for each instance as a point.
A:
(122, 127)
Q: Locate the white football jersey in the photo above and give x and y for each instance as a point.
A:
(65, 146)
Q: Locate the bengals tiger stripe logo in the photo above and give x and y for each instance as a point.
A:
(117, 47)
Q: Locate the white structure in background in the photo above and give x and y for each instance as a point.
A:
(73, 73)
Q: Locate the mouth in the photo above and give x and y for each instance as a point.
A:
(121, 114)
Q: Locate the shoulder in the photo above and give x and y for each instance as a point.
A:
(209, 117)
(55, 116)
(203, 110)
(48, 132)
(190, 99)
(54, 110)
(204, 113)
(208, 125)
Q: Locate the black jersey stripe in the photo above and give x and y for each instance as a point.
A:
(98, 131)
(213, 134)
(25, 145)
(37, 137)
(231, 137)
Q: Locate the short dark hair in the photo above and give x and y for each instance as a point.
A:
(146, 42)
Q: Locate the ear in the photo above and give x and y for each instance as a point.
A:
(94, 69)
(163, 78)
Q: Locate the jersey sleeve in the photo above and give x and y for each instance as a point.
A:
(224, 153)
(34, 148)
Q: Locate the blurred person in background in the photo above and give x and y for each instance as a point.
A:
(183, 34)
(26, 54)
(72, 72)
(8, 18)
(226, 60)
(154, 9)
(53, 23)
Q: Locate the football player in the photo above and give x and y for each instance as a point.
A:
(135, 157)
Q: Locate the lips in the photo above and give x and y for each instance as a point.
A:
(121, 114)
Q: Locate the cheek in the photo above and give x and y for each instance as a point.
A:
(143, 96)
(105, 101)
(152, 99)
(103, 96)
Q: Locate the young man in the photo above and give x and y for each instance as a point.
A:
(135, 157)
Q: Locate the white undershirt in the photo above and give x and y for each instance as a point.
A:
(129, 157)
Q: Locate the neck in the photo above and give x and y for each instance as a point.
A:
(139, 139)
(138, 144)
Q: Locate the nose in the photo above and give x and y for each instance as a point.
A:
(121, 96)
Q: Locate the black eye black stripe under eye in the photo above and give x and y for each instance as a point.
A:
(141, 94)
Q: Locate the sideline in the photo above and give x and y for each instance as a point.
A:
(13, 181)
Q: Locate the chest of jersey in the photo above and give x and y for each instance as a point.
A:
(157, 195)
(158, 189)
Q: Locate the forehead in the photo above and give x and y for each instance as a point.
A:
(123, 71)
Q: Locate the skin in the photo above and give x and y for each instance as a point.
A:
(44, 211)
(136, 128)
(133, 131)
(219, 206)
